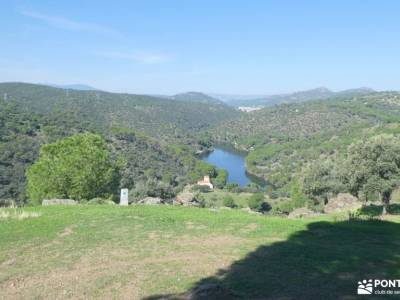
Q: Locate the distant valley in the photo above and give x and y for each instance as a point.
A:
(301, 96)
(159, 137)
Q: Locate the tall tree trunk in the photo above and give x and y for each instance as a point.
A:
(385, 202)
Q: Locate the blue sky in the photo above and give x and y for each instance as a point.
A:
(235, 47)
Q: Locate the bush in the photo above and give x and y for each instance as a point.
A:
(274, 194)
(233, 187)
(201, 200)
(160, 189)
(252, 188)
(220, 181)
(96, 201)
(228, 202)
(201, 188)
(283, 207)
(256, 201)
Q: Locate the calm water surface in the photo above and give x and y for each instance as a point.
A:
(233, 161)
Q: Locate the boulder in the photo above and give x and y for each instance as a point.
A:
(342, 202)
(48, 202)
(151, 201)
(186, 198)
(302, 212)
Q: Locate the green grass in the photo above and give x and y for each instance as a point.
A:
(144, 251)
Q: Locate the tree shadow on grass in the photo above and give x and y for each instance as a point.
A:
(325, 261)
(376, 210)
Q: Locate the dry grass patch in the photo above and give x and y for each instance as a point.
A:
(125, 273)
(17, 214)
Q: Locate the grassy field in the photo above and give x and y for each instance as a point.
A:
(151, 252)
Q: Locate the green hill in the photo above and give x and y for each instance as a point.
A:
(197, 97)
(157, 138)
(146, 160)
(284, 138)
(301, 96)
(158, 117)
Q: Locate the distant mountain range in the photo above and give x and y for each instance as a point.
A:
(78, 87)
(196, 97)
(243, 100)
(301, 96)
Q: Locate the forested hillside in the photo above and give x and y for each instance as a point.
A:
(297, 148)
(21, 135)
(196, 97)
(161, 118)
(153, 140)
(144, 163)
(298, 97)
(285, 141)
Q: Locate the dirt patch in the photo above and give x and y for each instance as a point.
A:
(77, 281)
(249, 228)
(190, 225)
(152, 235)
(18, 215)
(67, 231)
(107, 272)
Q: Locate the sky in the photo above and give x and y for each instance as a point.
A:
(225, 46)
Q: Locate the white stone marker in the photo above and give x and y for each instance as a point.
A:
(124, 197)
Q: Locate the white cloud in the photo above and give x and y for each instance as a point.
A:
(137, 56)
(67, 24)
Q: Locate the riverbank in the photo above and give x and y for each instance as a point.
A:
(231, 160)
(226, 156)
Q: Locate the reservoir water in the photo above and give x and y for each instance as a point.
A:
(232, 160)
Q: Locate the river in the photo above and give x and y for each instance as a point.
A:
(232, 160)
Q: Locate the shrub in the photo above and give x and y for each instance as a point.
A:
(201, 188)
(256, 201)
(95, 201)
(252, 188)
(200, 200)
(274, 194)
(228, 202)
(283, 207)
(233, 187)
(220, 181)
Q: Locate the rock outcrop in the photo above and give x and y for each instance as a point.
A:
(342, 202)
(48, 202)
(302, 213)
(186, 198)
(151, 201)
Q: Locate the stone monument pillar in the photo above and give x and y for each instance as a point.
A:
(124, 197)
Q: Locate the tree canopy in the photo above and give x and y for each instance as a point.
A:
(78, 167)
(373, 166)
